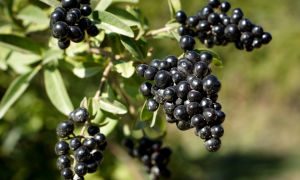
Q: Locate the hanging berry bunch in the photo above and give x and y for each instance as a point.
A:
(213, 26)
(187, 91)
(152, 155)
(69, 24)
(87, 150)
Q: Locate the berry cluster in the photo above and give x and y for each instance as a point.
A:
(152, 155)
(67, 23)
(213, 28)
(188, 93)
(87, 154)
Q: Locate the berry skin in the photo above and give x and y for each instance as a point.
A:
(170, 118)
(82, 154)
(63, 162)
(84, 1)
(211, 84)
(232, 32)
(245, 25)
(180, 17)
(128, 143)
(213, 144)
(182, 30)
(185, 66)
(64, 129)
(71, 18)
(66, 173)
(62, 148)
(257, 42)
(198, 121)
(192, 56)
(145, 89)
(220, 117)
(209, 42)
(162, 79)
(63, 44)
(257, 31)
(68, 4)
(192, 21)
(213, 18)
(217, 131)
(180, 113)
(100, 138)
(80, 115)
(204, 12)
(92, 130)
(218, 30)
(93, 31)
(206, 57)
(74, 143)
(206, 103)
(103, 146)
(235, 18)
(266, 38)
(92, 166)
(217, 106)
(57, 15)
(204, 133)
(159, 96)
(178, 77)
(86, 10)
(239, 45)
(225, 6)
(151, 105)
(140, 69)
(98, 156)
(210, 115)
(76, 34)
(164, 65)
(60, 30)
(183, 89)
(187, 42)
(214, 3)
(169, 94)
(154, 90)
(194, 96)
(90, 143)
(247, 38)
(196, 84)
(226, 21)
(200, 69)
(203, 26)
(80, 169)
(61, 9)
(155, 63)
(76, 11)
(150, 73)
(172, 61)
(238, 11)
(193, 108)
(85, 23)
(183, 125)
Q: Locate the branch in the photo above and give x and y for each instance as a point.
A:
(158, 31)
(103, 79)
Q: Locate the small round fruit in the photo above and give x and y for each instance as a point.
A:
(180, 17)
(60, 30)
(266, 38)
(71, 19)
(86, 10)
(220, 117)
(210, 115)
(247, 38)
(169, 94)
(140, 69)
(159, 96)
(64, 129)
(162, 79)
(145, 89)
(204, 133)
(213, 144)
(170, 118)
(92, 166)
(164, 65)
(217, 131)
(62, 148)
(76, 34)
(182, 30)
(194, 96)
(57, 15)
(198, 121)
(68, 4)
(80, 169)
(225, 6)
(214, 3)
(185, 66)
(93, 31)
(76, 11)
(150, 73)
(100, 138)
(97, 156)
(81, 115)
(192, 21)
(211, 84)
(178, 77)
(245, 25)
(63, 162)
(213, 18)
(183, 125)
(128, 143)
(206, 57)
(200, 69)
(63, 44)
(92, 130)
(218, 30)
(180, 113)
(203, 26)
(172, 61)
(206, 103)
(257, 31)
(196, 84)
(217, 106)
(193, 108)
(74, 143)
(90, 143)
(66, 173)
(232, 32)
(82, 154)
(192, 56)
(187, 42)
(85, 23)
(151, 105)
(169, 107)
(183, 89)
(205, 11)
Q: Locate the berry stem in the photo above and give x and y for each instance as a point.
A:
(158, 31)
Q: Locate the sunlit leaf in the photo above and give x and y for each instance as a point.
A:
(53, 3)
(33, 14)
(107, 129)
(174, 6)
(112, 106)
(125, 68)
(124, 16)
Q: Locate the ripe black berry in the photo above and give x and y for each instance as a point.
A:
(187, 42)
(204, 12)
(61, 148)
(182, 30)
(68, 4)
(92, 166)
(204, 133)
(145, 89)
(198, 121)
(226, 21)
(100, 139)
(61, 9)
(210, 115)
(97, 156)
(178, 77)
(159, 96)
(194, 96)
(76, 34)
(63, 162)
(155, 63)
(57, 15)
(162, 79)
(169, 94)
(183, 89)
(164, 65)
(180, 17)
(193, 108)
(170, 118)
(220, 117)
(90, 143)
(185, 66)
(172, 61)
(66, 173)
(192, 21)
(218, 30)
(225, 6)
(235, 18)
(75, 143)
(183, 125)
(192, 56)
(213, 144)
(60, 30)
(64, 129)
(180, 113)
(71, 18)
(266, 38)
(140, 69)
(257, 42)
(92, 130)
(196, 84)
(93, 31)
(206, 57)
(214, 3)
(201, 68)
(80, 169)
(232, 32)
(247, 38)
(217, 106)
(257, 31)
(80, 115)
(85, 23)
(211, 84)
(86, 10)
(63, 44)
(150, 73)
(203, 26)
(206, 103)
(213, 18)
(82, 154)
(217, 131)
(238, 11)
(245, 25)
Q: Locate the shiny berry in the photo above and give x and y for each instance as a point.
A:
(86, 10)
(245, 25)
(63, 44)
(257, 31)
(213, 144)
(194, 96)
(206, 103)
(220, 117)
(90, 143)
(82, 154)
(187, 42)
(63, 162)
(97, 156)
(225, 6)
(196, 84)
(211, 84)
(183, 125)
(92, 130)
(93, 31)
(213, 3)
(180, 113)
(85, 23)
(232, 32)
(213, 18)
(180, 17)
(226, 21)
(182, 89)
(92, 166)
(217, 131)
(192, 56)
(140, 69)
(64, 129)
(206, 57)
(203, 26)
(66, 173)
(68, 4)
(210, 115)
(151, 105)
(185, 66)
(164, 65)
(76, 34)
(172, 61)
(169, 94)
(201, 68)
(80, 115)
(80, 169)
(204, 133)
(170, 118)
(71, 18)
(198, 121)
(182, 30)
(74, 143)
(145, 89)
(193, 108)
(257, 42)
(57, 15)
(62, 148)
(204, 12)
(60, 30)
(192, 21)
(162, 79)
(247, 38)
(150, 73)
(266, 38)
(100, 138)
(178, 77)
(217, 106)
(218, 30)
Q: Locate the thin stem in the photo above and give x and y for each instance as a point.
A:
(158, 31)
(103, 79)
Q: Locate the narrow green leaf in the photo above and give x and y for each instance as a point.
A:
(125, 68)
(132, 46)
(19, 43)
(52, 54)
(16, 89)
(112, 23)
(112, 106)
(53, 3)
(33, 14)
(125, 1)
(103, 5)
(145, 115)
(154, 117)
(56, 90)
(125, 16)
(174, 6)
(107, 129)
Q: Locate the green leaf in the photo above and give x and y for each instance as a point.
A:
(132, 46)
(125, 68)
(103, 5)
(19, 43)
(16, 89)
(107, 129)
(125, 16)
(112, 23)
(53, 3)
(125, 1)
(52, 54)
(174, 6)
(154, 117)
(145, 115)
(33, 14)
(56, 90)
(112, 106)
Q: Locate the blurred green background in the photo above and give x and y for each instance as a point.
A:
(260, 95)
